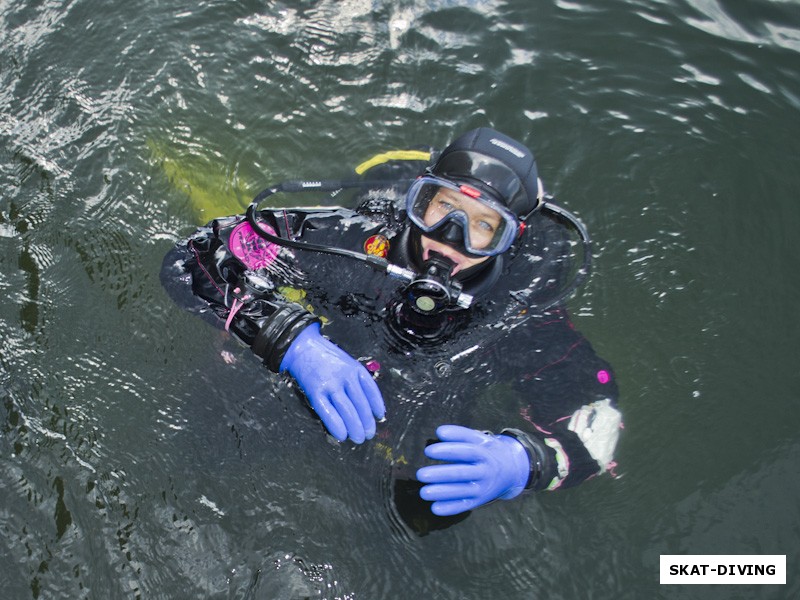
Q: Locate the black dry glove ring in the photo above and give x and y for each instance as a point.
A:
(277, 334)
(535, 454)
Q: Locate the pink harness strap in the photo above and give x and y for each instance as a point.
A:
(235, 306)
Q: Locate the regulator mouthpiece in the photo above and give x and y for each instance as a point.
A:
(433, 290)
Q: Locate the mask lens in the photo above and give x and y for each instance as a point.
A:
(487, 228)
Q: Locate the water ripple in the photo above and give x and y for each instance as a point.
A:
(775, 28)
(136, 462)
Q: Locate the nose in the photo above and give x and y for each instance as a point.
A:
(452, 233)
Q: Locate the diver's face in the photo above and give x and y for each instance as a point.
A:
(483, 223)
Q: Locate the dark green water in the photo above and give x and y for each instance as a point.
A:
(135, 463)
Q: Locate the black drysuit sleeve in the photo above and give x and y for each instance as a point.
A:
(566, 411)
(203, 275)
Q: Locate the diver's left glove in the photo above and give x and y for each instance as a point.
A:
(480, 467)
(338, 387)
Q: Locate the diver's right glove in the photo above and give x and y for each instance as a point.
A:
(338, 387)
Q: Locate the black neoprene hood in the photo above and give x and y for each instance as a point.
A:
(489, 159)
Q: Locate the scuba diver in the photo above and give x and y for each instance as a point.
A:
(468, 265)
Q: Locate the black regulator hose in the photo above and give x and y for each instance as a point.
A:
(376, 262)
(586, 267)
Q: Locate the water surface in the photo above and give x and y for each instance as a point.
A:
(135, 462)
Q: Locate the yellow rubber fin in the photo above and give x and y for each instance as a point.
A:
(211, 189)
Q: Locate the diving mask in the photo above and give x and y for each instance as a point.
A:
(435, 204)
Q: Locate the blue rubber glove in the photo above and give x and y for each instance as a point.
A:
(482, 467)
(338, 387)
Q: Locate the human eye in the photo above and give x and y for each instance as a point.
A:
(486, 226)
(444, 204)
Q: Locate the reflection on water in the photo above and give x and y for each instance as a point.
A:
(136, 462)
